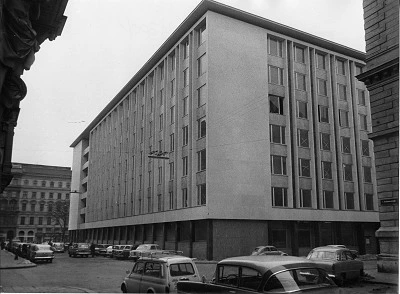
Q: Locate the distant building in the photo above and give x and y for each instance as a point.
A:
(24, 26)
(381, 76)
(34, 190)
(238, 132)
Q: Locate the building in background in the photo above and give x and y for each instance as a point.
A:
(238, 132)
(35, 191)
(381, 76)
(24, 25)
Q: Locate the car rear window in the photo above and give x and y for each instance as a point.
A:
(329, 255)
(181, 269)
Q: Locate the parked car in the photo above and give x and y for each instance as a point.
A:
(101, 249)
(124, 251)
(25, 248)
(267, 250)
(354, 252)
(146, 250)
(79, 249)
(159, 274)
(338, 262)
(58, 247)
(265, 274)
(40, 252)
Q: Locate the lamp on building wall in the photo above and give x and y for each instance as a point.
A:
(158, 154)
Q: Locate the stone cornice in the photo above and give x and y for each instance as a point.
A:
(379, 74)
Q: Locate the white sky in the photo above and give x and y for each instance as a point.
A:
(105, 42)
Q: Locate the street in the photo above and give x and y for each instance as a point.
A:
(104, 275)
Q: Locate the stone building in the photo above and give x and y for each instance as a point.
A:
(381, 76)
(237, 132)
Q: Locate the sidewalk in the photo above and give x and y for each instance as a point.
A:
(7, 261)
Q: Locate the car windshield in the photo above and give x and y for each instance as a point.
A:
(181, 269)
(297, 280)
(83, 246)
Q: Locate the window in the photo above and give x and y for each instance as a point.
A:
(359, 70)
(141, 135)
(40, 220)
(277, 134)
(41, 207)
(202, 127)
(279, 197)
(300, 81)
(299, 54)
(43, 183)
(346, 145)
(51, 195)
(201, 96)
(303, 138)
(67, 196)
(186, 49)
(201, 194)
(33, 207)
(201, 160)
(142, 111)
(172, 114)
(160, 174)
(344, 118)
(275, 104)
(275, 75)
(185, 135)
(275, 47)
(161, 121)
(185, 166)
(363, 122)
(161, 97)
(172, 142)
(325, 141)
(173, 88)
(365, 147)
(361, 96)
(322, 87)
(42, 195)
(159, 202)
(302, 109)
(323, 114)
(304, 167)
(202, 35)
(326, 170)
(35, 182)
(369, 201)
(349, 200)
(328, 199)
(22, 220)
(173, 61)
(305, 198)
(201, 65)
(367, 174)
(59, 196)
(23, 206)
(31, 220)
(171, 171)
(342, 91)
(26, 182)
(320, 61)
(278, 165)
(340, 67)
(161, 70)
(185, 106)
(150, 129)
(184, 197)
(186, 77)
(52, 184)
(347, 172)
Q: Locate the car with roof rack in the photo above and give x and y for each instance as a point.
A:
(159, 273)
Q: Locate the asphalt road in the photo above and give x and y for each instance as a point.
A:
(104, 275)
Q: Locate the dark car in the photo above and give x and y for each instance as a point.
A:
(79, 249)
(265, 274)
(338, 262)
(124, 251)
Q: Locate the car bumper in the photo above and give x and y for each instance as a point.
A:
(42, 257)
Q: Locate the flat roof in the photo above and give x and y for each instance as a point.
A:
(193, 17)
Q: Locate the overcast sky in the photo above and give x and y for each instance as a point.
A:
(105, 42)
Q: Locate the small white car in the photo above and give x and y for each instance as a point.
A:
(159, 274)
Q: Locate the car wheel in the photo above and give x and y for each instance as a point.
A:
(50, 260)
(340, 280)
(123, 288)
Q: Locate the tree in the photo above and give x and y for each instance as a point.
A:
(59, 214)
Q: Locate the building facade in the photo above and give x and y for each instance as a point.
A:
(33, 192)
(382, 80)
(238, 132)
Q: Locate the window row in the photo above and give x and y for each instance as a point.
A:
(280, 199)
(31, 220)
(43, 183)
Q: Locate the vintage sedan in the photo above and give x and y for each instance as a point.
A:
(124, 251)
(40, 252)
(267, 250)
(338, 262)
(101, 249)
(159, 274)
(79, 249)
(58, 247)
(264, 274)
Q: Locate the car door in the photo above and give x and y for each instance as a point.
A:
(152, 279)
(353, 267)
(135, 278)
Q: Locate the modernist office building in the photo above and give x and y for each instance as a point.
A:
(259, 134)
(31, 194)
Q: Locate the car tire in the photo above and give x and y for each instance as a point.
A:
(340, 280)
(123, 289)
(50, 260)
